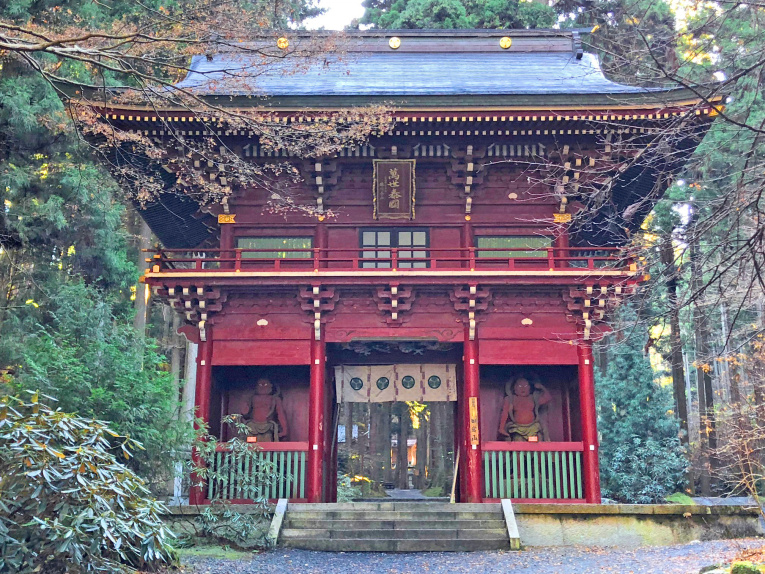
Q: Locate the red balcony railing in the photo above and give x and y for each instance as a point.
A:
(399, 259)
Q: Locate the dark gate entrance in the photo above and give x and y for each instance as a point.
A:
(395, 446)
(395, 419)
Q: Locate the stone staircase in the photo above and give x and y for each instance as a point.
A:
(395, 527)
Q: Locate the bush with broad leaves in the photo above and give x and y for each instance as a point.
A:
(66, 504)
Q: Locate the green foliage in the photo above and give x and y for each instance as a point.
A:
(434, 491)
(346, 491)
(219, 520)
(444, 14)
(641, 458)
(66, 504)
(94, 362)
(744, 568)
(679, 498)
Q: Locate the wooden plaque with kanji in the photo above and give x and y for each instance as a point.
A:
(393, 189)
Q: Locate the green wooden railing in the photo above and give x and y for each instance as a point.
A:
(533, 471)
(235, 473)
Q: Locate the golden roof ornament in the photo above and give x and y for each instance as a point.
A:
(394, 42)
(282, 43)
(505, 42)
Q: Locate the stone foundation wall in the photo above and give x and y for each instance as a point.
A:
(633, 525)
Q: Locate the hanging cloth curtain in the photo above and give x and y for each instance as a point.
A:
(402, 382)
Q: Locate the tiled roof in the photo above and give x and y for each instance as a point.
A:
(410, 74)
(428, 63)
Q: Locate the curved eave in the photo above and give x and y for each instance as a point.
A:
(514, 103)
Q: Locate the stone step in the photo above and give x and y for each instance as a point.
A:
(353, 524)
(498, 534)
(390, 515)
(387, 545)
(388, 506)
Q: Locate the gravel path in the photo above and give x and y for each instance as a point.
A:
(677, 559)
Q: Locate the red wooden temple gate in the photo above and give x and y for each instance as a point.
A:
(452, 229)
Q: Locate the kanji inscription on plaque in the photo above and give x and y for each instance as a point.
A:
(393, 189)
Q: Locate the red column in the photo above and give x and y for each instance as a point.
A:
(471, 463)
(589, 423)
(562, 245)
(320, 242)
(316, 422)
(227, 245)
(202, 403)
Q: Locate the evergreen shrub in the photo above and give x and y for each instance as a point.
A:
(641, 457)
(66, 503)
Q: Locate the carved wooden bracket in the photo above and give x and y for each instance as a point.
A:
(319, 302)
(197, 304)
(322, 176)
(394, 302)
(469, 301)
(589, 305)
(466, 171)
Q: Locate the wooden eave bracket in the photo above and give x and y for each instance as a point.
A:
(469, 302)
(196, 303)
(322, 175)
(466, 172)
(394, 301)
(590, 304)
(318, 302)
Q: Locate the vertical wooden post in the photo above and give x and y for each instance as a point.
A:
(562, 247)
(227, 247)
(589, 422)
(202, 403)
(320, 241)
(471, 463)
(316, 422)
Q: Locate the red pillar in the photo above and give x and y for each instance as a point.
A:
(589, 423)
(471, 463)
(316, 408)
(320, 242)
(202, 403)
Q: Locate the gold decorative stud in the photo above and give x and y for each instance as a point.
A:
(282, 43)
(505, 42)
(394, 42)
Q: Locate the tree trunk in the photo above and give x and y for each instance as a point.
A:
(350, 467)
(190, 382)
(142, 290)
(421, 452)
(175, 353)
(676, 344)
(386, 442)
(402, 461)
(375, 457)
(707, 442)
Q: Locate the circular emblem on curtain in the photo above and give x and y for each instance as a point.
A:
(382, 383)
(407, 382)
(356, 383)
(434, 382)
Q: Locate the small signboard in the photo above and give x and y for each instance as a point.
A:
(474, 434)
(393, 189)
